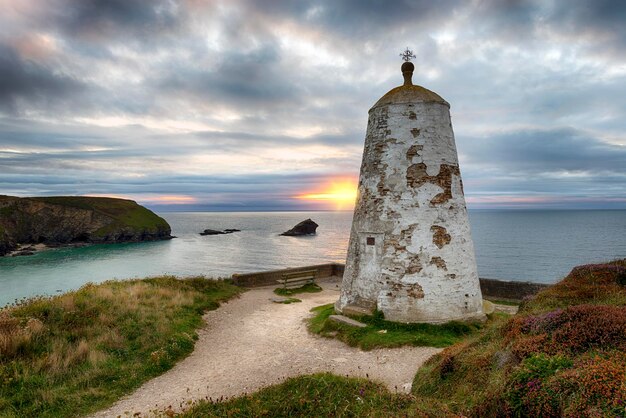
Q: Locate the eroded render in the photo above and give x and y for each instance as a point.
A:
(411, 254)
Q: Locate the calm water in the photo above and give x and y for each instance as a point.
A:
(537, 246)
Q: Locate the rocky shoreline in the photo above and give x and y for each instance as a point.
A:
(27, 249)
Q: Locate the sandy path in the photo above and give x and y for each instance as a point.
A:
(250, 343)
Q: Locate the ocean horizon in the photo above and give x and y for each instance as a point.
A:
(537, 245)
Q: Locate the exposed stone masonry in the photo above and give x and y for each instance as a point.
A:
(440, 236)
(416, 176)
(410, 253)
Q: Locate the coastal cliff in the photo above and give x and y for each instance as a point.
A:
(73, 219)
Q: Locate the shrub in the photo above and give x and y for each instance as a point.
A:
(575, 329)
(599, 382)
(561, 355)
(528, 392)
(588, 284)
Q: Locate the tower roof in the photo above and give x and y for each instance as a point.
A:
(408, 92)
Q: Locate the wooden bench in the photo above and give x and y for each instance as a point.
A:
(297, 279)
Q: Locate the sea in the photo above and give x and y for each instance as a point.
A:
(524, 245)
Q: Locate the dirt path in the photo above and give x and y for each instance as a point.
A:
(250, 343)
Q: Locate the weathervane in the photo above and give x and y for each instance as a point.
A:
(407, 55)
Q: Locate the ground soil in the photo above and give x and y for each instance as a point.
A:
(251, 342)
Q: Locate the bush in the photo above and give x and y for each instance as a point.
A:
(561, 355)
(528, 392)
(575, 329)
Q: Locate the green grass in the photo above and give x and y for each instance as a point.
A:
(318, 395)
(79, 352)
(503, 302)
(380, 333)
(7, 211)
(290, 301)
(307, 288)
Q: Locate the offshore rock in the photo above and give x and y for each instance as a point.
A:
(76, 219)
(216, 232)
(306, 227)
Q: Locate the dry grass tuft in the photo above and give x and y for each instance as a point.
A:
(78, 352)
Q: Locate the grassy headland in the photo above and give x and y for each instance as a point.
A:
(563, 354)
(79, 352)
(69, 219)
(125, 213)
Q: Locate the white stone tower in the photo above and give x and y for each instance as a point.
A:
(411, 253)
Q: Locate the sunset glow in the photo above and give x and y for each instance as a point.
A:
(340, 192)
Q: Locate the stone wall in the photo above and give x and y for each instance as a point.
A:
(509, 290)
(491, 288)
(269, 278)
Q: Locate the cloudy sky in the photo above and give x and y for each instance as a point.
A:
(246, 105)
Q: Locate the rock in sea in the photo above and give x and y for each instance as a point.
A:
(216, 232)
(306, 227)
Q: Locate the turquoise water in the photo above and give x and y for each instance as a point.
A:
(537, 246)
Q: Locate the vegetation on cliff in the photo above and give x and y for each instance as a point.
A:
(79, 352)
(563, 354)
(66, 219)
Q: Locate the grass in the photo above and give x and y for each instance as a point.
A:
(380, 333)
(504, 302)
(319, 395)
(79, 352)
(307, 288)
(290, 301)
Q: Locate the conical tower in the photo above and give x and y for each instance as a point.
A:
(411, 253)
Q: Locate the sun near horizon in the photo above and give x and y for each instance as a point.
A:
(341, 193)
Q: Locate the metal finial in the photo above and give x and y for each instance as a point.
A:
(407, 55)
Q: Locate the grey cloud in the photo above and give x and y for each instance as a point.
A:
(602, 18)
(156, 63)
(561, 163)
(237, 78)
(98, 19)
(25, 81)
(243, 138)
(361, 18)
(543, 151)
(242, 191)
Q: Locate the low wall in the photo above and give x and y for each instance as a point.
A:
(509, 290)
(490, 288)
(268, 278)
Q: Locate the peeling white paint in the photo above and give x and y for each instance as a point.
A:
(411, 203)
